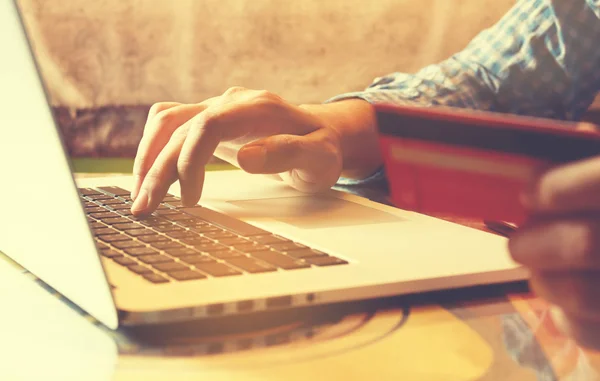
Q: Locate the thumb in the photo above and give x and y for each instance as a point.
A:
(309, 163)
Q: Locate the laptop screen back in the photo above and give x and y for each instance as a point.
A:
(42, 224)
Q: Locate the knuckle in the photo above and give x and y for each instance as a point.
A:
(293, 145)
(157, 108)
(185, 168)
(164, 118)
(267, 98)
(232, 90)
(210, 122)
(152, 177)
(330, 145)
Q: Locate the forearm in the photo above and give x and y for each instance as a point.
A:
(355, 123)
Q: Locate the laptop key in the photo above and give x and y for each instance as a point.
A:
(155, 278)
(305, 253)
(268, 239)
(151, 221)
(250, 265)
(110, 253)
(138, 232)
(163, 245)
(125, 261)
(216, 269)
(174, 203)
(97, 225)
(219, 234)
(204, 228)
(210, 247)
(100, 197)
(168, 227)
(137, 251)
(166, 212)
(121, 206)
(197, 241)
(139, 269)
(183, 234)
(197, 258)
(223, 254)
(178, 217)
(115, 191)
(280, 260)
(154, 258)
(112, 201)
(125, 212)
(105, 214)
(170, 266)
(227, 222)
(127, 225)
(115, 220)
(88, 192)
(326, 261)
(233, 241)
(181, 252)
(187, 275)
(126, 244)
(105, 231)
(151, 238)
(250, 247)
(94, 209)
(286, 246)
(114, 237)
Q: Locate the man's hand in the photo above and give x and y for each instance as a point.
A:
(561, 245)
(255, 130)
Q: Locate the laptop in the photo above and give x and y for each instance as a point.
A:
(253, 245)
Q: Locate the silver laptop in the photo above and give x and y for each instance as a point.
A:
(253, 245)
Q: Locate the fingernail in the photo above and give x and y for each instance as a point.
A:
(141, 201)
(253, 158)
(559, 320)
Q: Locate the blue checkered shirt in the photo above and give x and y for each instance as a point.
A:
(541, 59)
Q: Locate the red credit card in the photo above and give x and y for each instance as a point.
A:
(473, 164)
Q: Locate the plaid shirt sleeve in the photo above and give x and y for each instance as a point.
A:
(541, 59)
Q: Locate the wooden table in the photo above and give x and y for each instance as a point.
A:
(487, 333)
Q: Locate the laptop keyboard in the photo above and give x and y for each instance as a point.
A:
(181, 244)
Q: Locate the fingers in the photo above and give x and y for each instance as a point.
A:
(238, 115)
(576, 293)
(159, 178)
(572, 187)
(200, 144)
(310, 163)
(159, 128)
(252, 114)
(558, 244)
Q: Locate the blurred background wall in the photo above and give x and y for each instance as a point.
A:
(106, 61)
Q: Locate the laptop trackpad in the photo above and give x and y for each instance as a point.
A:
(314, 212)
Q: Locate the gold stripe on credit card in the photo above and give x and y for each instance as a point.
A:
(476, 165)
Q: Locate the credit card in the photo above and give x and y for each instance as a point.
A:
(473, 164)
